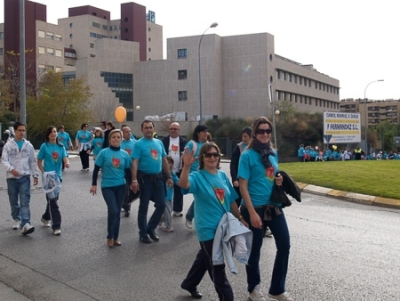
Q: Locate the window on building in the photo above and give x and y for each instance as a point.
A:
(290, 77)
(95, 24)
(58, 69)
(59, 52)
(71, 35)
(50, 67)
(149, 39)
(295, 79)
(1, 35)
(182, 74)
(105, 27)
(284, 76)
(300, 80)
(42, 50)
(50, 51)
(115, 27)
(182, 95)
(50, 36)
(1, 51)
(41, 68)
(149, 49)
(111, 28)
(305, 82)
(182, 53)
(278, 74)
(57, 37)
(91, 45)
(41, 34)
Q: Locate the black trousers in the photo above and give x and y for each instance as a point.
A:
(203, 263)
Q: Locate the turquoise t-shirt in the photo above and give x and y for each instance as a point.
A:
(207, 208)
(170, 190)
(64, 138)
(113, 164)
(97, 143)
(83, 136)
(52, 156)
(149, 152)
(195, 165)
(260, 180)
(128, 145)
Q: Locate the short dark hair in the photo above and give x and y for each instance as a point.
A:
(17, 124)
(146, 121)
(246, 130)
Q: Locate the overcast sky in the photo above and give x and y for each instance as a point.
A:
(354, 41)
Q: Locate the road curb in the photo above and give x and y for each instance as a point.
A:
(350, 196)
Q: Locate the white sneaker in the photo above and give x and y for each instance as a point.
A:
(189, 224)
(177, 214)
(256, 294)
(268, 233)
(27, 229)
(57, 232)
(45, 222)
(282, 297)
(16, 224)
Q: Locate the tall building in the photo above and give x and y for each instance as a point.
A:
(122, 61)
(376, 111)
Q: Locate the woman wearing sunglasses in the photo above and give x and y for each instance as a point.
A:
(258, 170)
(213, 196)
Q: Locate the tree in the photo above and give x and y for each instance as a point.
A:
(57, 103)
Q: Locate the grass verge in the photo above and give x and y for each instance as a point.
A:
(375, 177)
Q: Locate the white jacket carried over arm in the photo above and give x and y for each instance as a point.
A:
(231, 239)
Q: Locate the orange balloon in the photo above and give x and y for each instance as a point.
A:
(120, 113)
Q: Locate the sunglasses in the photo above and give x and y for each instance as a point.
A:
(209, 155)
(262, 131)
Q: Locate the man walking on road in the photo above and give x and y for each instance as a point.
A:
(20, 163)
(148, 163)
(174, 146)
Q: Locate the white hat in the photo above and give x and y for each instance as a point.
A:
(7, 132)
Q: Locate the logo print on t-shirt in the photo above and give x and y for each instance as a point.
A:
(154, 154)
(116, 162)
(128, 150)
(98, 144)
(220, 193)
(175, 148)
(54, 155)
(269, 173)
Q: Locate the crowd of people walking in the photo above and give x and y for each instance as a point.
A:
(162, 171)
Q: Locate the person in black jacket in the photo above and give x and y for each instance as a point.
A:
(174, 146)
(234, 165)
(109, 127)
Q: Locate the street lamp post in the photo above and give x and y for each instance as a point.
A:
(366, 114)
(213, 25)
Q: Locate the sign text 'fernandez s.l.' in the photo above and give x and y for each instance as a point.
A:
(342, 127)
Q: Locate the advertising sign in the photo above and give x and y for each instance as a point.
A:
(342, 127)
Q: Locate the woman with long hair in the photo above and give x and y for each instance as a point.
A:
(258, 171)
(51, 155)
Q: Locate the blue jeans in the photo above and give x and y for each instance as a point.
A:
(150, 189)
(114, 197)
(280, 232)
(20, 187)
(190, 212)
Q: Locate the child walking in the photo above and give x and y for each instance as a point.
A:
(169, 196)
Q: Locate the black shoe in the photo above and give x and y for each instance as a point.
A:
(127, 213)
(145, 239)
(153, 235)
(193, 292)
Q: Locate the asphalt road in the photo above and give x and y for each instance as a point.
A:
(340, 251)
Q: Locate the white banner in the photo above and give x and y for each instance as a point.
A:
(342, 127)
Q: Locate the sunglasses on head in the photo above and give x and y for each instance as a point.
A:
(209, 155)
(262, 131)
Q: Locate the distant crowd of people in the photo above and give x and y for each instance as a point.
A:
(162, 171)
(312, 154)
